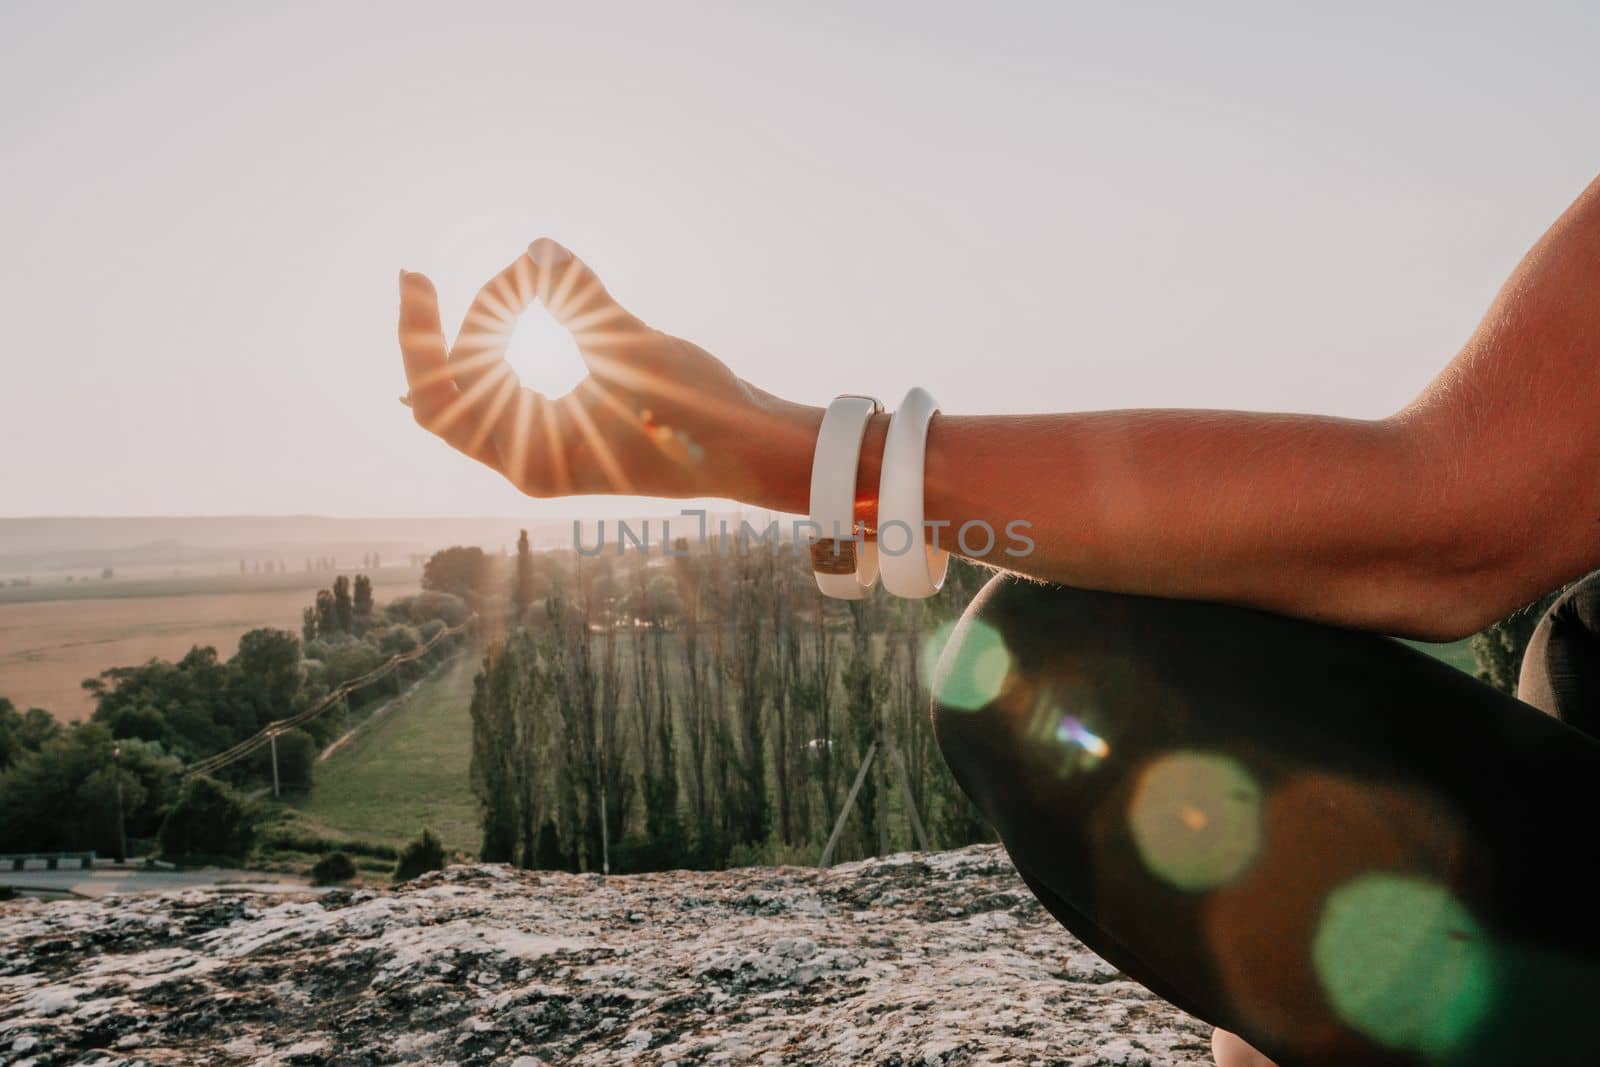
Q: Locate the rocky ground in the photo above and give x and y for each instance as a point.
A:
(938, 958)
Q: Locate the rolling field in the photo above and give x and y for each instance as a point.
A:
(405, 771)
(49, 646)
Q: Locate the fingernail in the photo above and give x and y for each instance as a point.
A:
(402, 279)
(546, 253)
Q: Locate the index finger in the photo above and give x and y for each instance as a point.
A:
(490, 321)
(422, 348)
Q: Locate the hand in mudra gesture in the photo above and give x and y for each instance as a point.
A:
(656, 415)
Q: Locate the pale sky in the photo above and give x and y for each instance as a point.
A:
(203, 208)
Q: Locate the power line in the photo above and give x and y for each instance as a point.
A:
(273, 729)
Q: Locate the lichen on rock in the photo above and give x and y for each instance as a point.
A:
(940, 958)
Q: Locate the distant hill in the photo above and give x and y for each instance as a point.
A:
(191, 544)
(208, 544)
(48, 544)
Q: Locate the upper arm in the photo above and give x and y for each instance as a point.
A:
(1512, 427)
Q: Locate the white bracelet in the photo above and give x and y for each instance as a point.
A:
(845, 563)
(911, 567)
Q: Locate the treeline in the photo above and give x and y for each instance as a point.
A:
(649, 712)
(94, 785)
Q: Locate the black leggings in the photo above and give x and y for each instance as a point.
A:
(1324, 841)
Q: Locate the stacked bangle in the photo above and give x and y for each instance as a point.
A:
(911, 566)
(845, 563)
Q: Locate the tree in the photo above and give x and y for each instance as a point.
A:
(522, 583)
(750, 811)
(10, 745)
(297, 755)
(398, 640)
(652, 695)
(459, 570)
(343, 609)
(332, 869)
(265, 677)
(864, 690)
(694, 578)
(308, 625)
(492, 772)
(63, 794)
(363, 600)
(209, 819)
(141, 721)
(327, 617)
(427, 606)
(193, 695)
(25, 732)
(1499, 648)
(548, 854)
(425, 853)
(595, 787)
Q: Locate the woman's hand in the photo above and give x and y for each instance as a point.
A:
(655, 416)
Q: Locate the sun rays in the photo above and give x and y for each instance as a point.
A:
(586, 439)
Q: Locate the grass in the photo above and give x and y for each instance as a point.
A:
(1456, 653)
(405, 771)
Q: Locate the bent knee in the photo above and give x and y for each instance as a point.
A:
(1004, 685)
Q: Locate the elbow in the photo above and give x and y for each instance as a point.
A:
(1440, 613)
(1477, 539)
(1455, 586)
(1428, 605)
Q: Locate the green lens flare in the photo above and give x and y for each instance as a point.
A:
(1403, 962)
(1196, 819)
(971, 671)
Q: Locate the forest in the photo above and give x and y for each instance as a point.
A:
(705, 707)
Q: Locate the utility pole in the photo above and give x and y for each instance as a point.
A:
(273, 737)
(855, 788)
(911, 801)
(122, 834)
(881, 797)
(849, 802)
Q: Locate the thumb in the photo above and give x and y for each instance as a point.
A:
(575, 296)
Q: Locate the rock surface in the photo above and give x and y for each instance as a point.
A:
(940, 958)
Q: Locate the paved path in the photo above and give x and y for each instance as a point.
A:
(109, 881)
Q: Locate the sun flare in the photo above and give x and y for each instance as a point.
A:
(544, 355)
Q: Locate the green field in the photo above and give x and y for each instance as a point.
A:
(1456, 653)
(406, 771)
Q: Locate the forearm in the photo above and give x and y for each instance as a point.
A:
(1341, 520)
(1316, 517)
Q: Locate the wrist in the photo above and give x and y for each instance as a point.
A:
(776, 447)
(869, 472)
